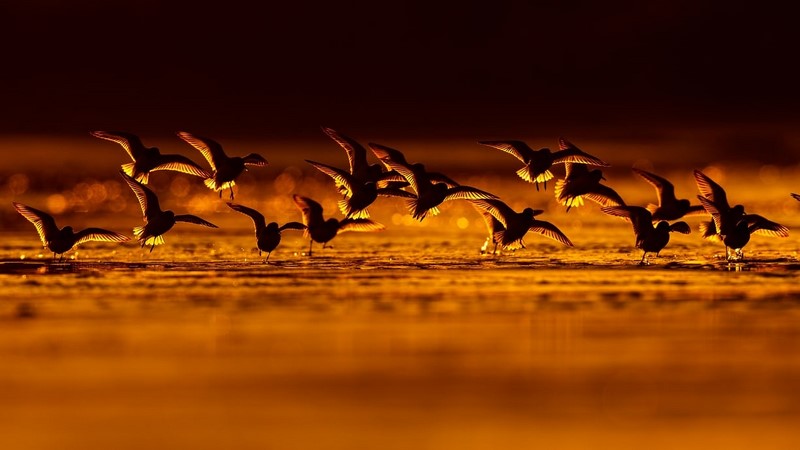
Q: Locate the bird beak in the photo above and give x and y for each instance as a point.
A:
(603, 178)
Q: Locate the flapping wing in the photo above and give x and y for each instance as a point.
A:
(292, 226)
(605, 196)
(549, 230)
(395, 192)
(796, 196)
(436, 177)
(383, 152)
(359, 225)
(664, 189)
(638, 216)
(100, 235)
(130, 142)
(467, 193)
(712, 209)
(180, 163)
(189, 218)
(312, 211)
(340, 177)
(760, 225)
(356, 153)
(496, 208)
(575, 155)
(517, 149)
(680, 227)
(147, 198)
(44, 223)
(258, 218)
(210, 149)
(711, 190)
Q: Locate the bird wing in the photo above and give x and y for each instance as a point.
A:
(383, 152)
(258, 218)
(356, 153)
(100, 235)
(312, 211)
(210, 149)
(147, 198)
(405, 170)
(189, 218)
(339, 176)
(518, 149)
(640, 217)
(180, 163)
(796, 196)
(711, 190)
(467, 193)
(575, 155)
(44, 223)
(712, 209)
(680, 227)
(292, 226)
(395, 192)
(564, 144)
(549, 230)
(605, 196)
(759, 225)
(497, 208)
(436, 177)
(359, 225)
(130, 142)
(695, 210)
(664, 189)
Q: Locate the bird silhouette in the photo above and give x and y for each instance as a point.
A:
(323, 231)
(268, 235)
(649, 238)
(148, 159)
(358, 195)
(224, 169)
(581, 182)
(156, 221)
(796, 196)
(510, 227)
(360, 169)
(430, 190)
(539, 162)
(669, 208)
(61, 240)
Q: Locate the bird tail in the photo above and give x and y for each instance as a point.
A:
(212, 184)
(413, 205)
(147, 240)
(347, 210)
(138, 232)
(129, 169)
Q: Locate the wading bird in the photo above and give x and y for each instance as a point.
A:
(508, 227)
(61, 240)
(268, 236)
(360, 169)
(669, 207)
(539, 162)
(156, 221)
(581, 182)
(649, 238)
(430, 190)
(148, 159)
(224, 169)
(323, 231)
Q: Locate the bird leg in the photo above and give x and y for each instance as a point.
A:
(536, 183)
(152, 247)
(545, 185)
(267, 260)
(231, 193)
(310, 244)
(644, 258)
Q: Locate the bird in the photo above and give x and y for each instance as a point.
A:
(360, 169)
(796, 196)
(649, 238)
(148, 159)
(510, 227)
(430, 190)
(581, 182)
(538, 162)
(268, 236)
(156, 221)
(731, 225)
(61, 240)
(323, 231)
(669, 208)
(224, 169)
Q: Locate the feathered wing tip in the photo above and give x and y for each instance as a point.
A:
(796, 196)
(708, 230)
(680, 227)
(129, 169)
(346, 209)
(526, 174)
(413, 205)
(212, 184)
(570, 202)
(652, 208)
(138, 232)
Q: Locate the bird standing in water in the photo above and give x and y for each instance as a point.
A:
(323, 231)
(268, 236)
(669, 207)
(148, 159)
(649, 238)
(156, 221)
(224, 169)
(61, 240)
(510, 227)
(539, 162)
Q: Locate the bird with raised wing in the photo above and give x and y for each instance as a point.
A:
(156, 221)
(149, 159)
(61, 240)
(224, 169)
(323, 231)
(360, 169)
(581, 182)
(669, 207)
(649, 238)
(268, 235)
(539, 162)
(431, 191)
(510, 227)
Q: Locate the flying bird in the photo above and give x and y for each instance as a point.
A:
(224, 169)
(156, 221)
(323, 231)
(581, 182)
(796, 196)
(360, 169)
(649, 238)
(539, 162)
(61, 240)
(149, 159)
(268, 236)
(669, 207)
(431, 190)
(508, 227)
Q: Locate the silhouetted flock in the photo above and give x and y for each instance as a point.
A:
(363, 183)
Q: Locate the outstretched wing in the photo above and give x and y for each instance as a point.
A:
(394, 160)
(575, 155)
(356, 153)
(796, 196)
(549, 230)
(712, 209)
(711, 190)
(130, 142)
(292, 226)
(312, 211)
(395, 192)
(517, 149)
(100, 235)
(210, 149)
(496, 208)
(759, 225)
(359, 225)
(605, 196)
(340, 177)
(189, 218)
(258, 218)
(467, 193)
(437, 177)
(147, 198)
(680, 227)
(638, 216)
(664, 189)
(180, 163)
(44, 223)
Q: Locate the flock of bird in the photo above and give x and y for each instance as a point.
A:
(362, 183)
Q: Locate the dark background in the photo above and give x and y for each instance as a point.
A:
(414, 68)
